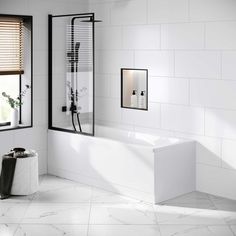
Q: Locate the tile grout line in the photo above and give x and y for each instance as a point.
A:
(189, 16)
(230, 227)
(156, 219)
(23, 217)
(221, 152)
(221, 65)
(90, 207)
(204, 37)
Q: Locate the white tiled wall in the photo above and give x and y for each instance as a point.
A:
(188, 46)
(197, 64)
(160, 63)
(36, 137)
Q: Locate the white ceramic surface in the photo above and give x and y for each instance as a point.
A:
(143, 166)
(14, 118)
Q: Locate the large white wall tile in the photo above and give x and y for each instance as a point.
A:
(6, 141)
(221, 35)
(228, 65)
(102, 11)
(182, 36)
(159, 63)
(128, 116)
(169, 90)
(39, 63)
(111, 61)
(213, 93)
(108, 37)
(217, 181)
(108, 109)
(115, 83)
(40, 85)
(167, 11)
(150, 118)
(40, 112)
(102, 85)
(31, 138)
(197, 64)
(40, 37)
(208, 150)
(42, 161)
(142, 37)
(210, 10)
(229, 154)
(220, 123)
(129, 12)
(182, 118)
(9, 7)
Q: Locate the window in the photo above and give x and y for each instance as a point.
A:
(11, 45)
(10, 85)
(15, 70)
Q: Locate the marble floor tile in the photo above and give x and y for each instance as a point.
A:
(124, 230)
(61, 213)
(18, 199)
(51, 230)
(187, 216)
(50, 182)
(195, 230)
(233, 228)
(192, 200)
(229, 217)
(226, 208)
(74, 194)
(12, 212)
(122, 214)
(8, 229)
(102, 196)
(64, 207)
(223, 204)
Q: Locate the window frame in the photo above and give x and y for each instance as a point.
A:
(5, 126)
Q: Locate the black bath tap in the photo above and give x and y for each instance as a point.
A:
(72, 106)
(73, 109)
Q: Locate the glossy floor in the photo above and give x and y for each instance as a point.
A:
(63, 207)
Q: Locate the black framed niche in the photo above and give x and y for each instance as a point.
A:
(134, 88)
(16, 71)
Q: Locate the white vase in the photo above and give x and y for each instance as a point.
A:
(14, 117)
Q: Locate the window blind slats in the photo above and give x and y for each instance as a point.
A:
(11, 46)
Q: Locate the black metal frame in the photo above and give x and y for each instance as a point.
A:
(30, 19)
(121, 88)
(50, 84)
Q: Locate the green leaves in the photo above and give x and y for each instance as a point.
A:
(14, 103)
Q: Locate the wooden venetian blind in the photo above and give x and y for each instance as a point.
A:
(11, 46)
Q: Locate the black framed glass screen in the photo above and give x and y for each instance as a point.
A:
(71, 73)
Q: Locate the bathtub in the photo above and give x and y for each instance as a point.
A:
(146, 167)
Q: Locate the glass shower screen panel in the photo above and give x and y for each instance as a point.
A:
(72, 73)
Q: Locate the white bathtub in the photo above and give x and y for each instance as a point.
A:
(138, 165)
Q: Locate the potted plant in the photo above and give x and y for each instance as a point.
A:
(14, 104)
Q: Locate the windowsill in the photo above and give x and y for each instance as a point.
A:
(8, 127)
